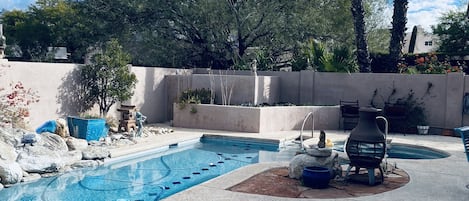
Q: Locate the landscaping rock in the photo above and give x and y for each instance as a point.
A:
(31, 177)
(48, 155)
(299, 162)
(11, 136)
(85, 163)
(7, 152)
(76, 144)
(95, 152)
(319, 152)
(10, 172)
(52, 142)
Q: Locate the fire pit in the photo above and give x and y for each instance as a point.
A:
(366, 145)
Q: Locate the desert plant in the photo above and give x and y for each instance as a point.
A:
(108, 79)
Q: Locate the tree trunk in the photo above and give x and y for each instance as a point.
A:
(363, 56)
(399, 21)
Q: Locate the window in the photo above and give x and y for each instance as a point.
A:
(428, 43)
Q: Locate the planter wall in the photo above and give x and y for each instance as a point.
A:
(254, 119)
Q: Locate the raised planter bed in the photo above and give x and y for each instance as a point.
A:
(254, 119)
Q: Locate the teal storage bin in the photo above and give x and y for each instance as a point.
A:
(88, 129)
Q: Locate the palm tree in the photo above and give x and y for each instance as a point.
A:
(399, 21)
(363, 56)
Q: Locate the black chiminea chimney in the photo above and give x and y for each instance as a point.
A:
(366, 145)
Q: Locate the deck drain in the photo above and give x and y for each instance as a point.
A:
(212, 165)
(186, 177)
(176, 182)
(227, 159)
(248, 157)
(221, 162)
(196, 173)
(204, 169)
(219, 154)
(166, 188)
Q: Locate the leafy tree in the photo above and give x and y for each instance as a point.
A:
(363, 55)
(453, 32)
(377, 18)
(108, 79)
(399, 21)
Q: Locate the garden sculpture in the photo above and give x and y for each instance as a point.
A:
(322, 139)
(140, 119)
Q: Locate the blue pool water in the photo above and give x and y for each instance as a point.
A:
(150, 177)
(405, 151)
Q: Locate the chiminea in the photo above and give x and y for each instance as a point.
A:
(366, 144)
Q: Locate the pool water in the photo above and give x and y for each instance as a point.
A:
(152, 177)
(405, 151)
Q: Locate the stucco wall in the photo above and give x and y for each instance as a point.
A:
(443, 103)
(157, 89)
(56, 83)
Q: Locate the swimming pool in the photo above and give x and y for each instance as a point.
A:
(150, 177)
(405, 151)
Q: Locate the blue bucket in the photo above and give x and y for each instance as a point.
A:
(316, 177)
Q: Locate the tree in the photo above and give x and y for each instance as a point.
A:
(453, 32)
(413, 38)
(108, 79)
(399, 21)
(377, 18)
(48, 23)
(363, 55)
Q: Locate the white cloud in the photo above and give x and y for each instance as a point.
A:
(428, 12)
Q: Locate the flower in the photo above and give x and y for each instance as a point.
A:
(430, 64)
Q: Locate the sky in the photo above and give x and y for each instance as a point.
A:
(420, 12)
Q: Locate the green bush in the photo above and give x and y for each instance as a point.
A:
(197, 96)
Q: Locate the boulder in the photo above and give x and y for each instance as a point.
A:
(31, 177)
(61, 128)
(95, 152)
(11, 136)
(8, 152)
(52, 142)
(76, 144)
(10, 172)
(47, 155)
(319, 152)
(299, 162)
(85, 163)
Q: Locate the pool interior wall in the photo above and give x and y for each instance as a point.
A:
(150, 175)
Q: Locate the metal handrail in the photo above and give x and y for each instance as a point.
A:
(386, 126)
(302, 127)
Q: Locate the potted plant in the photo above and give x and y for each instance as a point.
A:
(105, 81)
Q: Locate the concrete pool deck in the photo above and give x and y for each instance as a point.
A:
(435, 179)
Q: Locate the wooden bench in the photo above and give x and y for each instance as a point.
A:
(464, 132)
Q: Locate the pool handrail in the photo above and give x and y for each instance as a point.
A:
(302, 127)
(386, 127)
